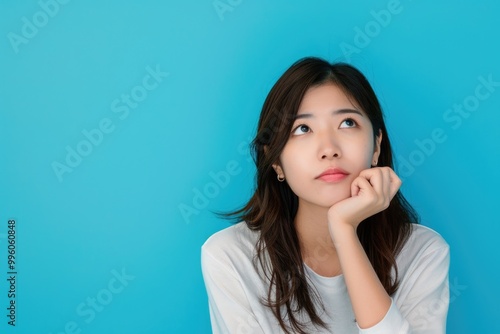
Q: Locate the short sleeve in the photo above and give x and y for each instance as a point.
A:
(230, 310)
(421, 303)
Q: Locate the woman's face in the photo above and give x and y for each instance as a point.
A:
(330, 135)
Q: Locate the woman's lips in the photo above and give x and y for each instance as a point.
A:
(333, 175)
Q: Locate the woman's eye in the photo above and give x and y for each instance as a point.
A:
(301, 129)
(348, 123)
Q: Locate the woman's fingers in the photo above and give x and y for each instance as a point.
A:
(383, 180)
(371, 192)
(395, 182)
(360, 184)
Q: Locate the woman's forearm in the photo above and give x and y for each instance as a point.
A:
(369, 299)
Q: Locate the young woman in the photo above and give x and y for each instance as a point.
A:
(327, 243)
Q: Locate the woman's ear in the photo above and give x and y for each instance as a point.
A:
(277, 168)
(279, 172)
(376, 149)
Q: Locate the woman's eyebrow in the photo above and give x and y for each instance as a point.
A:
(335, 112)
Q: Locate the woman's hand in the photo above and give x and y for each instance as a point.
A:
(371, 192)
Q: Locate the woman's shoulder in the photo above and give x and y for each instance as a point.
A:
(236, 242)
(423, 241)
(424, 237)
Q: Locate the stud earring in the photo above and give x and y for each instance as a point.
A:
(281, 179)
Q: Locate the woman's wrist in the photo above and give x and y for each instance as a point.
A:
(342, 232)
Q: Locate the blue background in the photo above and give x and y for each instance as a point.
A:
(120, 209)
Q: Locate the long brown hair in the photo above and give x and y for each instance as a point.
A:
(272, 208)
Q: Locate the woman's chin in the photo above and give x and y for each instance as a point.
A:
(330, 200)
(327, 203)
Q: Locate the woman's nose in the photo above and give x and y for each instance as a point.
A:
(329, 147)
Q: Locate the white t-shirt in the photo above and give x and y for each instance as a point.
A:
(235, 288)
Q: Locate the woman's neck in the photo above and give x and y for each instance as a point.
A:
(317, 248)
